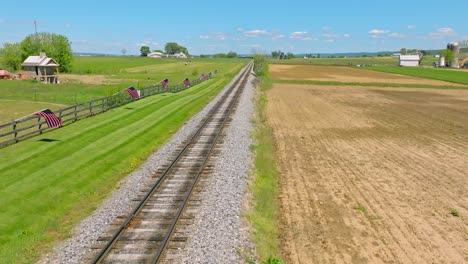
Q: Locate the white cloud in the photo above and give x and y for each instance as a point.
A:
(330, 40)
(280, 36)
(214, 35)
(327, 28)
(330, 36)
(255, 33)
(411, 27)
(308, 39)
(297, 35)
(377, 31)
(346, 35)
(396, 35)
(240, 30)
(68, 26)
(442, 33)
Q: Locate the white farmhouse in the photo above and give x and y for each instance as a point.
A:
(410, 60)
(179, 55)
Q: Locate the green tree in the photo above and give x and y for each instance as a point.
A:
(260, 65)
(55, 46)
(10, 56)
(448, 54)
(158, 50)
(275, 54)
(144, 51)
(173, 48)
(231, 54)
(290, 55)
(403, 51)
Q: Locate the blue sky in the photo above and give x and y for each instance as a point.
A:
(207, 27)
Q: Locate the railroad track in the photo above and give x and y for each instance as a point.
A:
(146, 233)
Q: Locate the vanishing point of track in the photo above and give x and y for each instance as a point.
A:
(145, 234)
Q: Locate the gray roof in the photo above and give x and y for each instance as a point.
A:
(39, 61)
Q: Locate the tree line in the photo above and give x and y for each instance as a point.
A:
(171, 48)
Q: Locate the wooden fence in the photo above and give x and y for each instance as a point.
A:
(33, 125)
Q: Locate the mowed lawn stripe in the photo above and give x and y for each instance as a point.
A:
(95, 125)
(135, 124)
(49, 177)
(52, 178)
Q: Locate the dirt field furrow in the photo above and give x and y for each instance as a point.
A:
(371, 175)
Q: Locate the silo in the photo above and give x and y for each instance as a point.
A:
(441, 61)
(455, 48)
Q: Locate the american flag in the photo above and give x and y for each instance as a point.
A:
(164, 83)
(49, 116)
(133, 93)
(202, 77)
(186, 82)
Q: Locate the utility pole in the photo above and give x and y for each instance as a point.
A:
(35, 26)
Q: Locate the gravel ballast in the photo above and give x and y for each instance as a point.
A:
(219, 234)
(221, 206)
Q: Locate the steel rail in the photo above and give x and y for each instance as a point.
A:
(187, 196)
(119, 232)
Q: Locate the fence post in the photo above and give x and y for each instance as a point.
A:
(40, 125)
(90, 108)
(75, 114)
(16, 132)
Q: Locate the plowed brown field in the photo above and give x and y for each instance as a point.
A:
(371, 175)
(346, 74)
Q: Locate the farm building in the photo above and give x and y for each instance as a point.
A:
(157, 55)
(40, 68)
(410, 60)
(179, 55)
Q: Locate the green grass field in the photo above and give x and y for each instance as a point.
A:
(350, 61)
(118, 73)
(47, 186)
(449, 75)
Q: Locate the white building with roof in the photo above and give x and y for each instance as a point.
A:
(41, 68)
(157, 55)
(409, 60)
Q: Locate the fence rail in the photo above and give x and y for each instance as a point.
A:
(32, 125)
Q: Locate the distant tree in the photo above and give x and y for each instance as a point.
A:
(231, 54)
(282, 55)
(290, 55)
(318, 55)
(144, 51)
(124, 51)
(158, 50)
(203, 56)
(10, 56)
(426, 52)
(55, 46)
(173, 48)
(260, 65)
(219, 55)
(275, 54)
(403, 51)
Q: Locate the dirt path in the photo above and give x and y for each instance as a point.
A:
(371, 175)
